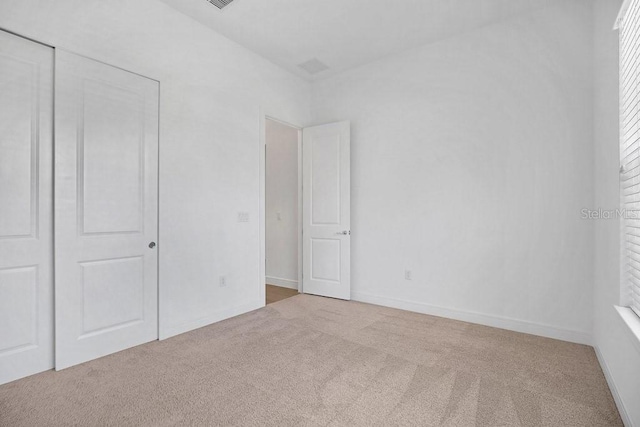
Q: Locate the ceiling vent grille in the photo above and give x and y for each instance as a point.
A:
(220, 4)
(313, 66)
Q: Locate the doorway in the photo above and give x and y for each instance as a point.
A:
(282, 210)
(320, 187)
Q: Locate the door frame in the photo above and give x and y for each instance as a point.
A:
(264, 116)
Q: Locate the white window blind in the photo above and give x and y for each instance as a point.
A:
(630, 147)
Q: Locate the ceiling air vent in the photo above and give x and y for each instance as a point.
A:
(313, 66)
(220, 3)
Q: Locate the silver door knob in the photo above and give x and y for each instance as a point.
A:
(345, 233)
(152, 245)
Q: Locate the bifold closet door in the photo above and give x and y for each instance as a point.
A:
(26, 213)
(106, 209)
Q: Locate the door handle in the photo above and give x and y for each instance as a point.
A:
(344, 233)
(152, 245)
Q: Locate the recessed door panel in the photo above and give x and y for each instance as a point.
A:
(113, 294)
(106, 209)
(325, 259)
(26, 213)
(18, 308)
(111, 148)
(325, 180)
(19, 145)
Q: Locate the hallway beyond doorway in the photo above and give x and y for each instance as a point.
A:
(278, 293)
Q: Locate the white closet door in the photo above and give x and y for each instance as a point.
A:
(26, 214)
(326, 225)
(106, 209)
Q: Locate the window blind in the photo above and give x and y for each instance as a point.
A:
(630, 149)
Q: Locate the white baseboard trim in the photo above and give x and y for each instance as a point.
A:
(614, 390)
(479, 318)
(14, 375)
(283, 283)
(208, 320)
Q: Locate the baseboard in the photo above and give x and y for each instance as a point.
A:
(612, 386)
(9, 376)
(479, 318)
(283, 283)
(208, 320)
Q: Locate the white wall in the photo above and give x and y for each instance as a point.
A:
(471, 162)
(213, 93)
(461, 172)
(282, 204)
(618, 355)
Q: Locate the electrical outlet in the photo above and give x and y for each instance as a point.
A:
(408, 275)
(223, 281)
(243, 216)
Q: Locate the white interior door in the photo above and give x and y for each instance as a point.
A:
(26, 213)
(106, 209)
(326, 224)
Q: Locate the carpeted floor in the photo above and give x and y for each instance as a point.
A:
(316, 361)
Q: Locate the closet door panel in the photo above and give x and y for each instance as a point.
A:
(26, 211)
(106, 209)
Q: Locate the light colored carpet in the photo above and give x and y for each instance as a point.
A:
(316, 361)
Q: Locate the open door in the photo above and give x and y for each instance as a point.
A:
(106, 209)
(326, 225)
